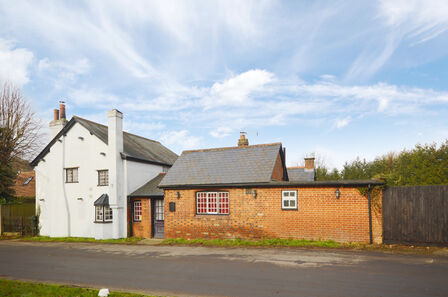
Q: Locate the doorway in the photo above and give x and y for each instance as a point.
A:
(158, 218)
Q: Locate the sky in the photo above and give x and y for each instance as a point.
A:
(338, 79)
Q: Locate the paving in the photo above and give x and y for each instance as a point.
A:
(203, 271)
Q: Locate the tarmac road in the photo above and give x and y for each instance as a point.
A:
(200, 271)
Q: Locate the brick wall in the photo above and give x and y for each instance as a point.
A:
(142, 228)
(319, 216)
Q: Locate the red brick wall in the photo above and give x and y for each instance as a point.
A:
(319, 216)
(142, 228)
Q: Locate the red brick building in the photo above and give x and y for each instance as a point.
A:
(25, 185)
(248, 192)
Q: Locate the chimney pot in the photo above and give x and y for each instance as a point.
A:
(62, 110)
(56, 114)
(243, 141)
(309, 163)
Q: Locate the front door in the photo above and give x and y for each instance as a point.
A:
(158, 219)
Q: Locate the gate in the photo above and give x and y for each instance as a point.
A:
(18, 218)
(415, 214)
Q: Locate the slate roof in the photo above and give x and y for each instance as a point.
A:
(247, 164)
(135, 147)
(102, 201)
(150, 189)
(300, 174)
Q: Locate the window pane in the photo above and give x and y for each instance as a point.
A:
(223, 203)
(212, 203)
(285, 194)
(107, 213)
(99, 213)
(137, 210)
(292, 203)
(285, 203)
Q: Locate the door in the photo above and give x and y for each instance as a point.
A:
(158, 219)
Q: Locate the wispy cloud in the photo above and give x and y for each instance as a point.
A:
(14, 62)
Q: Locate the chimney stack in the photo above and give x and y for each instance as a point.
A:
(62, 109)
(309, 163)
(117, 200)
(56, 114)
(59, 120)
(243, 141)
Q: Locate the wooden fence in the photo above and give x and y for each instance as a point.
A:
(415, 214)
(18, 218)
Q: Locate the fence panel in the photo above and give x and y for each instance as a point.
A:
(416, 214)
(18, 218)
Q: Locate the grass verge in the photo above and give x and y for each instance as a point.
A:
(128, 240)
(288, 242)
(31, 289)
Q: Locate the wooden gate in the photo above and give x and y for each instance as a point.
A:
(18, 218)
(415, 214)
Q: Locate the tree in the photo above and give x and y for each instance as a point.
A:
(19, 135)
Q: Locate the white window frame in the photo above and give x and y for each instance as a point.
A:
(103, 213)
(73, 179)
(289, 198)
(218, 206)
(105, 178)
(138, 218)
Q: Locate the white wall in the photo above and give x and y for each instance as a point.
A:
(61, 213)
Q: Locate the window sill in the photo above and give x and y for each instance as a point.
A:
(102, 222)
(290, 208)
(137, 221)
(72, 182)
(101, 185)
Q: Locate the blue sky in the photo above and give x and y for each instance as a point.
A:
(338, 78)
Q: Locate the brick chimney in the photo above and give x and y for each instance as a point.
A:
(59, 120)
(309, 163)
(243, 141)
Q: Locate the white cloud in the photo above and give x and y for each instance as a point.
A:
(14, 62)
(340, 123)
(420, 19)
(63, 73)
(181, 139)
(87, 97)
(221, 132)
(236, 91)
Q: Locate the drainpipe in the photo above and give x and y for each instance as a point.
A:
(131, 216)
(370, 214)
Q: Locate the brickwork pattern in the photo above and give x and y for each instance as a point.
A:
(320, 216)
(143, 228)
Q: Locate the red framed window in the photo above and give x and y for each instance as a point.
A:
(212, 202)
(138, 210)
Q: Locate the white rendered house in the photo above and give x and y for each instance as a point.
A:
(86, 172)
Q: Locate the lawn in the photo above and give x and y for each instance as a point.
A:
(31, 289)
(127, 240)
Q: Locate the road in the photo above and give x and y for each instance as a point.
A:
(200, 271)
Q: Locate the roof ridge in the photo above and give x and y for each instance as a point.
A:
(232, 147)
(77, 117)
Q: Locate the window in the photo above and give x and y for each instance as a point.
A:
(212, 202)
(71, 175)
(289, 199)
(137, 210)
(159, 214)
(28, 180)
(103, 177)
(103, 213)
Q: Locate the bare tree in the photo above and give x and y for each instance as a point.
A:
(19, 129)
